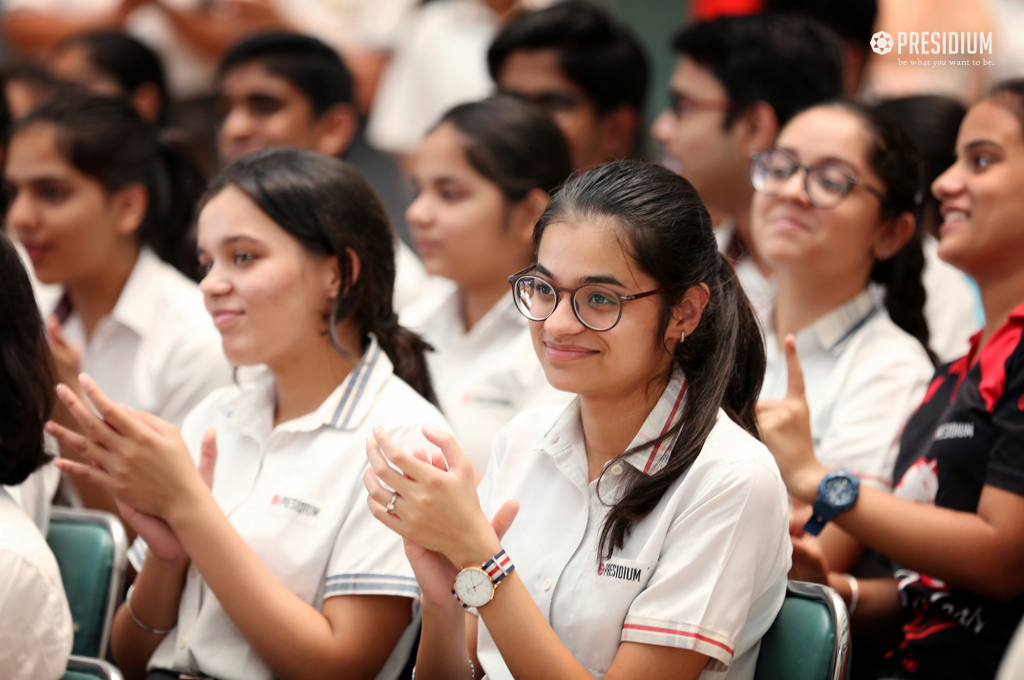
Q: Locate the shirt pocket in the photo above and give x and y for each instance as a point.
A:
(600, 601)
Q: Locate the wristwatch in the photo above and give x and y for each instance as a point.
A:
(475, 586)
(837, 493)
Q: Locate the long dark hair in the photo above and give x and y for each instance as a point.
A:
(330, 209)
(895, 159)
(665, 228)
(512, 143)
(104, 138)
(26, 373)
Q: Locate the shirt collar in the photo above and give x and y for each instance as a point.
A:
(833, 330)
(346, 408)
(649, 460)
(136, 306)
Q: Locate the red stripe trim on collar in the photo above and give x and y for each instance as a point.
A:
(668, 425)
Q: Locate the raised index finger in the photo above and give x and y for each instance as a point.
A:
(795, 385)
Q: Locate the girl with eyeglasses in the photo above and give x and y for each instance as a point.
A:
(834, 213)
(482, 178)
(640, 531)
(952, 525)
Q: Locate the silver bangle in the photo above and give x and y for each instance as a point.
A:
(472, 671)
(140, 624)
(854, 592)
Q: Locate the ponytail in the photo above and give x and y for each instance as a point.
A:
(665, 228)
(894, 157)
(407, 352)
(327, 206)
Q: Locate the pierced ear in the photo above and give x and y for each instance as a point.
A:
(130, 204)
(688, 312)
(759, 126)
(335, 129)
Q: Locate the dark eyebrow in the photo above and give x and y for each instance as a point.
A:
(982, 142)
(609, 280)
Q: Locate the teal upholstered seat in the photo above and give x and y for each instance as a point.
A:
(91, 549)
(810, 638)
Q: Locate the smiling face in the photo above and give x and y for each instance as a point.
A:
(463, 226)
(835, 243)
(618, 363)
(66, 220)
(267, 294)
(982, 194)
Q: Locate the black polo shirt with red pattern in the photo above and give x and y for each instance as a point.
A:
(968, 432)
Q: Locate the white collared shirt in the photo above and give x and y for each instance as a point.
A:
(485, 377)
(295, 494)
(36, 632)
(706, 570)
(158, 350)
(863, 377)
(760, 289)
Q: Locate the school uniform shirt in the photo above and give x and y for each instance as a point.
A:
(295, 494)
(968, 433)
(863, 377)
(413, 285)
(157, 350)
(485, 377)
(705, 570)
(35, 494)
(35, 620)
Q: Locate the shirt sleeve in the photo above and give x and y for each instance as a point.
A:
(35, 621)
(721, 576)
(1005, 463)
(368, 558)
(869, 415)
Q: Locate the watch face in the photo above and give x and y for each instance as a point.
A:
(473, 587)
(839, 491)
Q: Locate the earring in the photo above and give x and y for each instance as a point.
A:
(682, 336)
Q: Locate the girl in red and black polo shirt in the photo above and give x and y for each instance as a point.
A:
(958, 547)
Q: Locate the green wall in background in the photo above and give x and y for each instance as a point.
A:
(655, 22)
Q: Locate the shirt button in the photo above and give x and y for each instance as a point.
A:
(616, 469)
(547, 584)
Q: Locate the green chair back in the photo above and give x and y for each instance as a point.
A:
(84, 668)
(91, 548)
(810, 638)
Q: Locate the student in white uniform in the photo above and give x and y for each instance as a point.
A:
(299, 262)
(835, 211)
(483, 176)
(96, 199)
(651, 538)
(35, 621)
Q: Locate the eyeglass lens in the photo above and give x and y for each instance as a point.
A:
(826, 184)
(596, 306)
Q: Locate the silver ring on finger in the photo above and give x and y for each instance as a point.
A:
(391, 503)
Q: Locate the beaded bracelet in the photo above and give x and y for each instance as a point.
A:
(140, 624)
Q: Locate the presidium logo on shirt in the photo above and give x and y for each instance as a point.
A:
(619, 571)
(295, 504)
